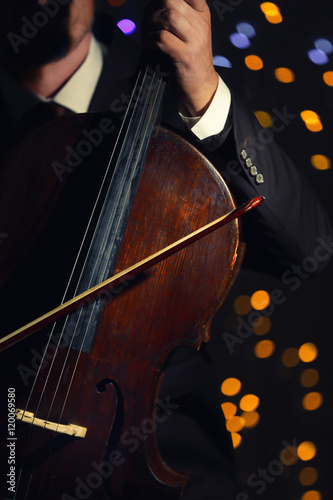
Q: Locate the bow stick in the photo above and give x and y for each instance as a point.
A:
(130, 272)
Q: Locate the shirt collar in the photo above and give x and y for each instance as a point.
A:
(77, 93)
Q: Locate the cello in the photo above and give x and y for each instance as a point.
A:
(85, 389)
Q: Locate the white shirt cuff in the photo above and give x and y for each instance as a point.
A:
(212, 122)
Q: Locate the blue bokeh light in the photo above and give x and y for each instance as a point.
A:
(222, 61)
(324, 45)
(318, 57)
(240, 41)
(127, 26)
(246, 29)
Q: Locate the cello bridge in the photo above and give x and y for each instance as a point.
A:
(69, 429)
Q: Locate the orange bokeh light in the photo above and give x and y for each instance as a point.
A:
(284, 75)
(290, 357)
(328, 78)
(231, 386)
(236, 439)
(229, 409)
(260, 300)
(309, 377)
(264, 349)
(254, 62)
(308, 352)
(249, 402)
(251, 418)
(320, 162)
(312, 401)
(306, 450)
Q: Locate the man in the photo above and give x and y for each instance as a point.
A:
(63, 62)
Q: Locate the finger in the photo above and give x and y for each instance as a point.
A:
(156, 5)
(198, 5)
(170, 20)
(169, 44)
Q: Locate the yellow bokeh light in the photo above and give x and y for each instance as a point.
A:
(308, 352)
(260, 300)
(249, 402)
(251, 419)
(262, 325)
(306, 450)
(242, 305)
(312, 401)
(328, 78)
(314, 125)
(229, 409)
(290, 357)
(269, 7)
(309, 377)
(311, 495)
(236, 439)
(235, 424)
(274, 17)
(320, 162)
(311, 120)
(231, 386)
(284, 75)
(254, 62)
(288, 455)
(264, 349)
(308, 115)
(308, 476)
(272, 12)
(264, 118)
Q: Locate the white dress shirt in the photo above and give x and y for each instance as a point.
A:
(77, 93)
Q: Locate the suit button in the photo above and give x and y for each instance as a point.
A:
(259, 179)
(243, 154)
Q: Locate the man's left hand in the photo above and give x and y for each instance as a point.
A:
(181, 29)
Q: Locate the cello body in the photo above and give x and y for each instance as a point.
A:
(107, 389)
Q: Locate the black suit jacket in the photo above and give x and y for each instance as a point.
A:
(285, 229)
(279, 234)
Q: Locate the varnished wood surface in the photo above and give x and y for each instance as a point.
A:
(112, 390)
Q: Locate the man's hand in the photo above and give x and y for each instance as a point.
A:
(181, 29)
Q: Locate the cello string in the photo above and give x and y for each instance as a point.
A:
(61, 371)
(50, 370)
(82, 243)
(91, 313)
(37, 376)
(209, 227)
(127, 189)
(72, 377)
(70, 384)
(39, 369)
(105, 265)
(20, 422)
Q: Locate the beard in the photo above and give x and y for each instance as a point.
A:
(33, 34)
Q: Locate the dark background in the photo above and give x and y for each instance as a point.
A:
(305, 315)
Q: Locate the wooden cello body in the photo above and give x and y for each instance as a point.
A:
(87, 389)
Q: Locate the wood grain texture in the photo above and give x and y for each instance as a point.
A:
(113, 390)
